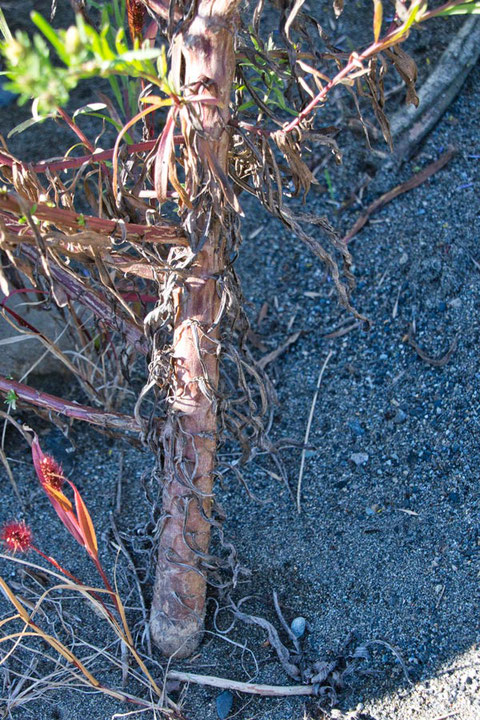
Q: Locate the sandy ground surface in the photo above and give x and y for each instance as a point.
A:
(386, 546)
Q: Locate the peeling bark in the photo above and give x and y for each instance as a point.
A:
(203, 62)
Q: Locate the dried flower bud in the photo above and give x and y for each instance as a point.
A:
(17, 536)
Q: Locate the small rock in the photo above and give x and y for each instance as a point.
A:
(359, 458)
(298, 626)
(355, 427)
(399, 416)
(224, 704)
(455, 303)
(403, 258)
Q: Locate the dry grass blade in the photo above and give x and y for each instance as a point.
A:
(307, 431)
(52, 641)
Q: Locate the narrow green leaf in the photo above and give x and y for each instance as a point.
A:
(27, 124)
(51, 36)
(4, 29)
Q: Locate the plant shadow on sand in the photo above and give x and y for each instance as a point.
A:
(387, 543)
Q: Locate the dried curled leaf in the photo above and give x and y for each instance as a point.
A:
(302, 176)
(407, 69)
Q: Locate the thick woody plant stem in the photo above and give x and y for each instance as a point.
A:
(204, 55)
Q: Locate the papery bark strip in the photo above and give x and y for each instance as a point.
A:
(205, 50)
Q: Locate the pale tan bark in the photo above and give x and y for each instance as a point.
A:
(204, 56)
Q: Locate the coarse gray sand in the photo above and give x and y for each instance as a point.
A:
(387, 543)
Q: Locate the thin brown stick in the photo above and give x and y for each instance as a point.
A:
(435, 362)
(410, 184)
(106, 420)
(307, 431)
(244, 687)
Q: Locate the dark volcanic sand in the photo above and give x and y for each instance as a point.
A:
(387, 548)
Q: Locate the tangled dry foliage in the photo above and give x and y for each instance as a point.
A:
(131, 281)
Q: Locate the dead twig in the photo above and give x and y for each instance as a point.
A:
(244, 687)
(307, 432)
(271, 356)
(410, 184)
(436, 362)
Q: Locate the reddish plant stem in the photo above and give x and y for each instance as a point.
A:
(81, 136)
(74, 162)
(107, 420)
(68, 219)
(68, 574)
(394, 36)
(106, 582)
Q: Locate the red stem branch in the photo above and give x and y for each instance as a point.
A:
(67, 219)
(107, 420)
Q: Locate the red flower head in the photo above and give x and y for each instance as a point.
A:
(51, 473)
(17, 536)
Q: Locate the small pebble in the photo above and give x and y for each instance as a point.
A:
(454, 498)
(399, 416)
(224, 704)
(298, 626)
(359, 458)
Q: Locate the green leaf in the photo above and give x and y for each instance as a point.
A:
(141, 54)
(27, 124)
(11, 398)
(51, 36)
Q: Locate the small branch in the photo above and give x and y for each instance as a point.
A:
(244, 687)
(307, 431)
(435, 362)
(74, 162)
(68, 219)
(106, 420)
(395, 35)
